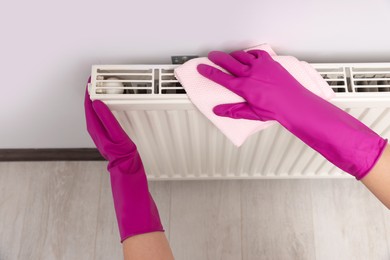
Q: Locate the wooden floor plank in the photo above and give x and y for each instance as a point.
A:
(348, 221)
(161, 193)
(205, 220)
(59, 215)
(277, 220)
(107, 245)
(14, 193)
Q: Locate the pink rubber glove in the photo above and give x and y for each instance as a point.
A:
(135, 209)
(271, 93)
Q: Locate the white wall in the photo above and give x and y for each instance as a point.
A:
(47, 48)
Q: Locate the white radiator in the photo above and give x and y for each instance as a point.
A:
(177, 142)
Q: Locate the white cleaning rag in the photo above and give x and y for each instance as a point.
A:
(206, 94)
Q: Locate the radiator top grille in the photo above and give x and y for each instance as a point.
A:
(125, 81)
(353, 78)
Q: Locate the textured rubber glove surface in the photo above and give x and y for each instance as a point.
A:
(271, 93)
(135, 208)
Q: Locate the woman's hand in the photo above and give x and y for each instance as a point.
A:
(272, 93)
(266, 85)
(134, 206)
(111, 140)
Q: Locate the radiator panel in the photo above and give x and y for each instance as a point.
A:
(177, 142)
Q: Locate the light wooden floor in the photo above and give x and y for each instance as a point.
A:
(64, 210)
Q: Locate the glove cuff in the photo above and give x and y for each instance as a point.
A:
(338, 136)
(135, 208)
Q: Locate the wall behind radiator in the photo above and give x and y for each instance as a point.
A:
(47, 48)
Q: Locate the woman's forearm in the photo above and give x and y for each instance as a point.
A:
(148, 246)
(378, 179)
